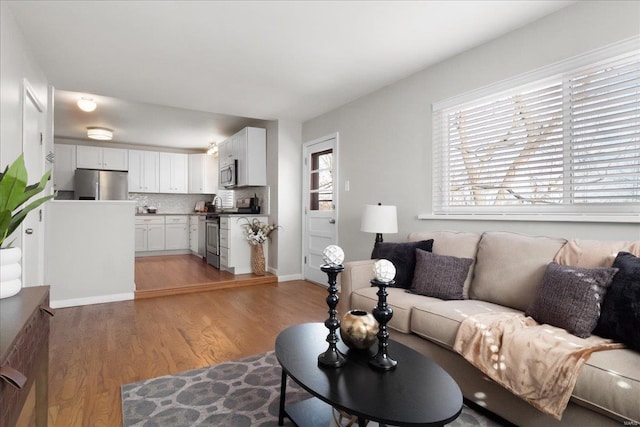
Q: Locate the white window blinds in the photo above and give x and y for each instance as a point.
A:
(565, 143)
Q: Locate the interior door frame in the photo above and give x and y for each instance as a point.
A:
(29, 95)
(305, 192)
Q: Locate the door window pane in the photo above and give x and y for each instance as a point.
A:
(321, 180)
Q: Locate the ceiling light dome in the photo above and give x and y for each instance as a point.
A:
(87, 104)
(101, 134)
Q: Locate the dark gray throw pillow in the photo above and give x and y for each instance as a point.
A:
(620, 318)
(403, 257)
(439, 276)
(569, 297)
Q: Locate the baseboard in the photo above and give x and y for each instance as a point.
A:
(73, 302)
(290, 277)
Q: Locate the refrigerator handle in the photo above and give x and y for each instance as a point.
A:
(97, 190)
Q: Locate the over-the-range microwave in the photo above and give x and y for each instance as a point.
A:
(229, 174)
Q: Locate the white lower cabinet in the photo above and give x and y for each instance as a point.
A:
(235, 250)
(176, 232)
(149, 234)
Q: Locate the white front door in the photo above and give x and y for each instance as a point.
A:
(320, 201)
(32, 142)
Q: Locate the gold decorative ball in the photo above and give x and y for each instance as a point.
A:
(358, 329)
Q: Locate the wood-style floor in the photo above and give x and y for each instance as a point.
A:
(179, 274)
(97, 348)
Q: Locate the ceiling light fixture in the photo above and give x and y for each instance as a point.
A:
(213, 149)
(87, 104)
(102, 134)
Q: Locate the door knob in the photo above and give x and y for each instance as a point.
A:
(29, 231)
(332, 221)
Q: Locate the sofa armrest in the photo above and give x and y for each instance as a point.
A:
(356, 275)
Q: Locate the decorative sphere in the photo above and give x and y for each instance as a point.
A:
(358, 329)
(384, 270)
(333, 255)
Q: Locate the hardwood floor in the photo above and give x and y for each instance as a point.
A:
(179, 274)
(97, 348)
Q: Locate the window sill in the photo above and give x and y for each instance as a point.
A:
(624, 219)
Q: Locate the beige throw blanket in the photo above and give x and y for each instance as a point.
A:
(538, 363)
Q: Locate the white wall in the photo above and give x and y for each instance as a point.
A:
(385, 137)
(90, 250)
(284, 160)
(16, 63)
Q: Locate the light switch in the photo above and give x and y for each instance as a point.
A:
(347, 185)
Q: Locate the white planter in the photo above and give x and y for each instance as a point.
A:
(10, 272)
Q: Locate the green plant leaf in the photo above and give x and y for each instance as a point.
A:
(17, 219)
(13, 184)
(5, 220)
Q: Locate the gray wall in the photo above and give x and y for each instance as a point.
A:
(385, 137)
(284, 176)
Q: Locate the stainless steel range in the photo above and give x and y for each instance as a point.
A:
(212, 224)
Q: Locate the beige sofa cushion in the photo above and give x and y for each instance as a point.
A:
(400, 301)
(452, 243)
(594, 253)
(611, 379)
(510, 267)
(439, 321)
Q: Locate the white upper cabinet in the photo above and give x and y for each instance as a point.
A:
(249, 148)
(250, 145)
(64, 167)
(144, 171)
(92, 157)
(203, 174)
(174, 171)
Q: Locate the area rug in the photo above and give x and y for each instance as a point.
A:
(242, 393)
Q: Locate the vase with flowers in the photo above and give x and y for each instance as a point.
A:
(257, 232)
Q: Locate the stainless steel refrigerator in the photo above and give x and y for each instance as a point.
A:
(91, 184)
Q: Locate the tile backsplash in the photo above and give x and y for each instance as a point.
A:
(185, 203)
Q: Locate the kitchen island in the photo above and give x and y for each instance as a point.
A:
(90, 251)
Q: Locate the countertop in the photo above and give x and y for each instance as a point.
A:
(202, 214)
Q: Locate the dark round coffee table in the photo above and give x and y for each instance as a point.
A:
(417, 392)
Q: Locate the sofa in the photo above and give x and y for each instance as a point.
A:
(505, 274)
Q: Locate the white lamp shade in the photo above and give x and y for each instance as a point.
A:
(87, 104)
(379, 219)
(101, 134)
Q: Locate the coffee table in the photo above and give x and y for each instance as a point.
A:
(417, 392)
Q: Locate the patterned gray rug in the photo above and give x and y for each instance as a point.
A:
(235, 394)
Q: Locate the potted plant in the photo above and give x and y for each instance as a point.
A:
(14, 195)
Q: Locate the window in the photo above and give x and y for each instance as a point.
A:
(565, 141)
(321, 191)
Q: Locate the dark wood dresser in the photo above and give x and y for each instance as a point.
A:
(24, 357)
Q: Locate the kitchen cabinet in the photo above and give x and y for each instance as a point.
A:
(235, 250)
(144, 167)
(176, 232)
(203, 174)
(149, 233)
(174, 169)
(197, 235)
(92, 157)
(249, 148)
(250, 145)
(64, 167)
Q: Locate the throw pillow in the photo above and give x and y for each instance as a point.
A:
(403, 257)
(439, 276)
(620, 318)
(569, 297)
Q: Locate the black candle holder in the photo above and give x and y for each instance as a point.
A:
(383, 313)
(332, 358)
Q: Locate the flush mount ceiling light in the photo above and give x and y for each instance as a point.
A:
(213, 149)
(102, 134)
(87, 104)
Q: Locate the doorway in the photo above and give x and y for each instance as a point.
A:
(320, 203)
